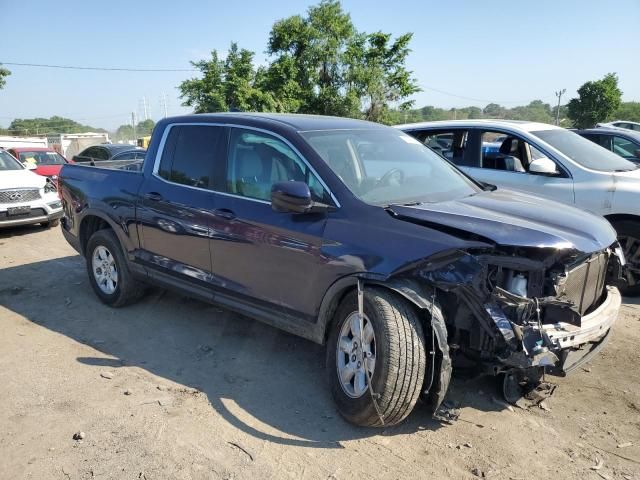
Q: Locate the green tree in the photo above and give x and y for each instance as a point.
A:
(493, 110)
(627, 111)
(48, 126)
(124, 132)
(144, 128)
(310, 52)
(536, 111)
(376, 75)
(226, 84)
(597, 101)
(4, 73)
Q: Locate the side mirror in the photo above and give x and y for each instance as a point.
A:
(543, 166)
(291, 197)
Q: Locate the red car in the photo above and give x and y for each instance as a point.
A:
(48, 162)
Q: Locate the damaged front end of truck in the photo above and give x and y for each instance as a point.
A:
(519, 312)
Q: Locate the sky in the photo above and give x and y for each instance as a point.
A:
(504, 51)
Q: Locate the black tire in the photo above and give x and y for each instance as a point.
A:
(400, 359)
(52, 223)
(630, 229)
(128, 289)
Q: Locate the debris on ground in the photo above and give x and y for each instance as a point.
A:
(625, 445)
(107, 375)
(78, 435)
(478, 473)
(128, 392)
(502, 403)
(241, 448)
(599, 464)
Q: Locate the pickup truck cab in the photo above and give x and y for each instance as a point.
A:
(353, 235)
(547, 161)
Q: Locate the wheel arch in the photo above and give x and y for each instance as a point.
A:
(90, 224)
(618, 217)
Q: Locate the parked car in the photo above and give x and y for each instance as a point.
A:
(25, 197)
(621, 124)
(47, 161)
(553, 162)
(353, 235)
(110, 155)
(625, 143)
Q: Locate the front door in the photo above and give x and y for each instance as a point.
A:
(175, 211)
(504, 161)
(268, 258)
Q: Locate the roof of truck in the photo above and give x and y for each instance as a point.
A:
(301, 122)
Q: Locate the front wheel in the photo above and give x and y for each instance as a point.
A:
(387, 347)
(629, 239)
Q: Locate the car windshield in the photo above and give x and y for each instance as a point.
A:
(584, 152)
(42, 158)
(384, 167)
(7, 162)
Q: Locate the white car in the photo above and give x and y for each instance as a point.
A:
(25, 197)
(626, 124)
(547, 161)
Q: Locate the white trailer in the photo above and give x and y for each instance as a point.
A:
(16, 142)
(70, 144)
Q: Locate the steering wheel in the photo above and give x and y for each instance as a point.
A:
(393, 176)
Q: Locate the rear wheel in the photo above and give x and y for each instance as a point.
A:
(629, 239)
(387, 349)
(109, 273)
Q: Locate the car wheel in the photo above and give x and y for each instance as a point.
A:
(389, 349)
(629, 239)
(109, 274)
(52, 223)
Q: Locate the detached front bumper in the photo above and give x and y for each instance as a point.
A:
(577, 345)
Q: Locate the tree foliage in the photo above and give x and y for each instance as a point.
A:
(226, 84)
(627, 111)
(126, 132)
(597, 101)
(4, 73)
(48, 126)
(319, 63)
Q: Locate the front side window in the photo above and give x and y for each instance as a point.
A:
(503, 152)
(385, 166)
(100, 154)
(583, 151)
(257, 160)
(189, 154)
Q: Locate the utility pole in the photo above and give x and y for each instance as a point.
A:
(559, 94)
(144, 108)
(163, 103)
(133, 124)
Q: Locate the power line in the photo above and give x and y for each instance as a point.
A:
(483, 100)
(116, 69)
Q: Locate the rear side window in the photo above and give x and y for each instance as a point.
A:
(450, 144)
(189, 154)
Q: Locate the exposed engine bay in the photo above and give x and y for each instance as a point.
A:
(523, 311)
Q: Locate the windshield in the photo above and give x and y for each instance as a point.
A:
(7, 162)
(42, 158)
(583, 151)
(383, 167)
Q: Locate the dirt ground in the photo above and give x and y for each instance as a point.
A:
(175, 388)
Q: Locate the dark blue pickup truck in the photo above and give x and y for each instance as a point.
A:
(357, 236)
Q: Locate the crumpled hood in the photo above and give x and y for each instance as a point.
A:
(513, 219)
(20, 179)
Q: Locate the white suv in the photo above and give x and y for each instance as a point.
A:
(25, 197)
(547, 161)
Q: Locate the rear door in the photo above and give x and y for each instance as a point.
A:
(260, 256)
(176, 203)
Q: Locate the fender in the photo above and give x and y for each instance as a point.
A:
(122, 230)
(422, 297)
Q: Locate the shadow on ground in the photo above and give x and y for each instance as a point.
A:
(266, 383)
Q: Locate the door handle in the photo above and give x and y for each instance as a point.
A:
(224, 213)
(155, 196)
